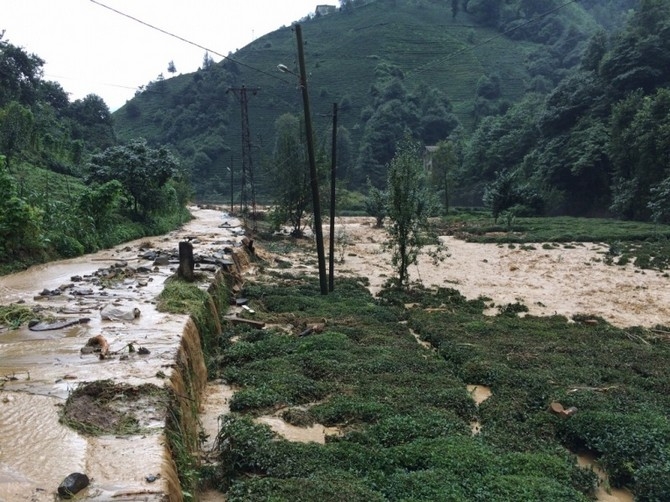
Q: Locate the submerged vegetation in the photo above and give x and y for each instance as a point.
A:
(104, 407)
(404, 415)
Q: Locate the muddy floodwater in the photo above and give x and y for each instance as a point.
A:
(39, 369)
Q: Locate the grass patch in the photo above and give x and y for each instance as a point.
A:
(647, 245)
(105, 407)
(181, 297)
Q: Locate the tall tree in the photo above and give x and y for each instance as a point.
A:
(16, 124)
(141, 170)
(92, 122)
(290, 174)
(409, 205)
(20, 74)
(640, 146)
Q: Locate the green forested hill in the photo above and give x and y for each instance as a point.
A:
(391, 65)
(66, 186)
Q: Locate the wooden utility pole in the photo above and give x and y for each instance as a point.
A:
(333, 172)
(316, 205)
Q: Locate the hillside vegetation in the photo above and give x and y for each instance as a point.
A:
(391, 65)
(66, 186)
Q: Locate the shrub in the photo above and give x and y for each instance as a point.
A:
(626, 442)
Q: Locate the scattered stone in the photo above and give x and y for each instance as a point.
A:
(143, 351)
(557, 408)
(82, 292)
(143, 270)
(52, 292)
(111, 313)
(73, 484)
(149, 255)
(162, 261)
(97, 344)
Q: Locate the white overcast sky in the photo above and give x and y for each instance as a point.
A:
(88, 48)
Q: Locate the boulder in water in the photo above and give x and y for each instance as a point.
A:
(72, 485)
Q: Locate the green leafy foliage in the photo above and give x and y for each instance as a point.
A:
(403, 412)
(376, 204)
(291, 187)
(46, 210)
(409, 205)
(141, 170)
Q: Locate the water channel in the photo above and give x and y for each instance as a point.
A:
(38, 369)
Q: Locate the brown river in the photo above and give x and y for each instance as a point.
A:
(38, 369)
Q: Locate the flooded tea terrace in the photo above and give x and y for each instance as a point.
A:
(40, 369)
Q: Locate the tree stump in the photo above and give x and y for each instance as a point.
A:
(186, 262)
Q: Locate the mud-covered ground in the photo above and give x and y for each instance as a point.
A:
(567, 280)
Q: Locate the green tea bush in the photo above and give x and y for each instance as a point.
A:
(324, 487)
(256, 398)
(464, 456)
(528, 489)
(404, 411)
(625, 442)
(349, 409)
(431, 484)
(401, 429)
(652, 481)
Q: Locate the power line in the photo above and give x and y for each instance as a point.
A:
(165, 32)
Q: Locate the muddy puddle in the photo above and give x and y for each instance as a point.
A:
(39, 369)
(479, 394)
(604, 493)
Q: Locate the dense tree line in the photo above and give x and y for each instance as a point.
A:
(66, 185)
(553, 150)
(596, 144)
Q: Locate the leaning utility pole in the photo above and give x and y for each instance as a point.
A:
(316, 205)
(247, 164)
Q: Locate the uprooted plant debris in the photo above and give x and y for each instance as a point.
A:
(106, 407)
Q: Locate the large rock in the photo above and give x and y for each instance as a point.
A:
(72, 485)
